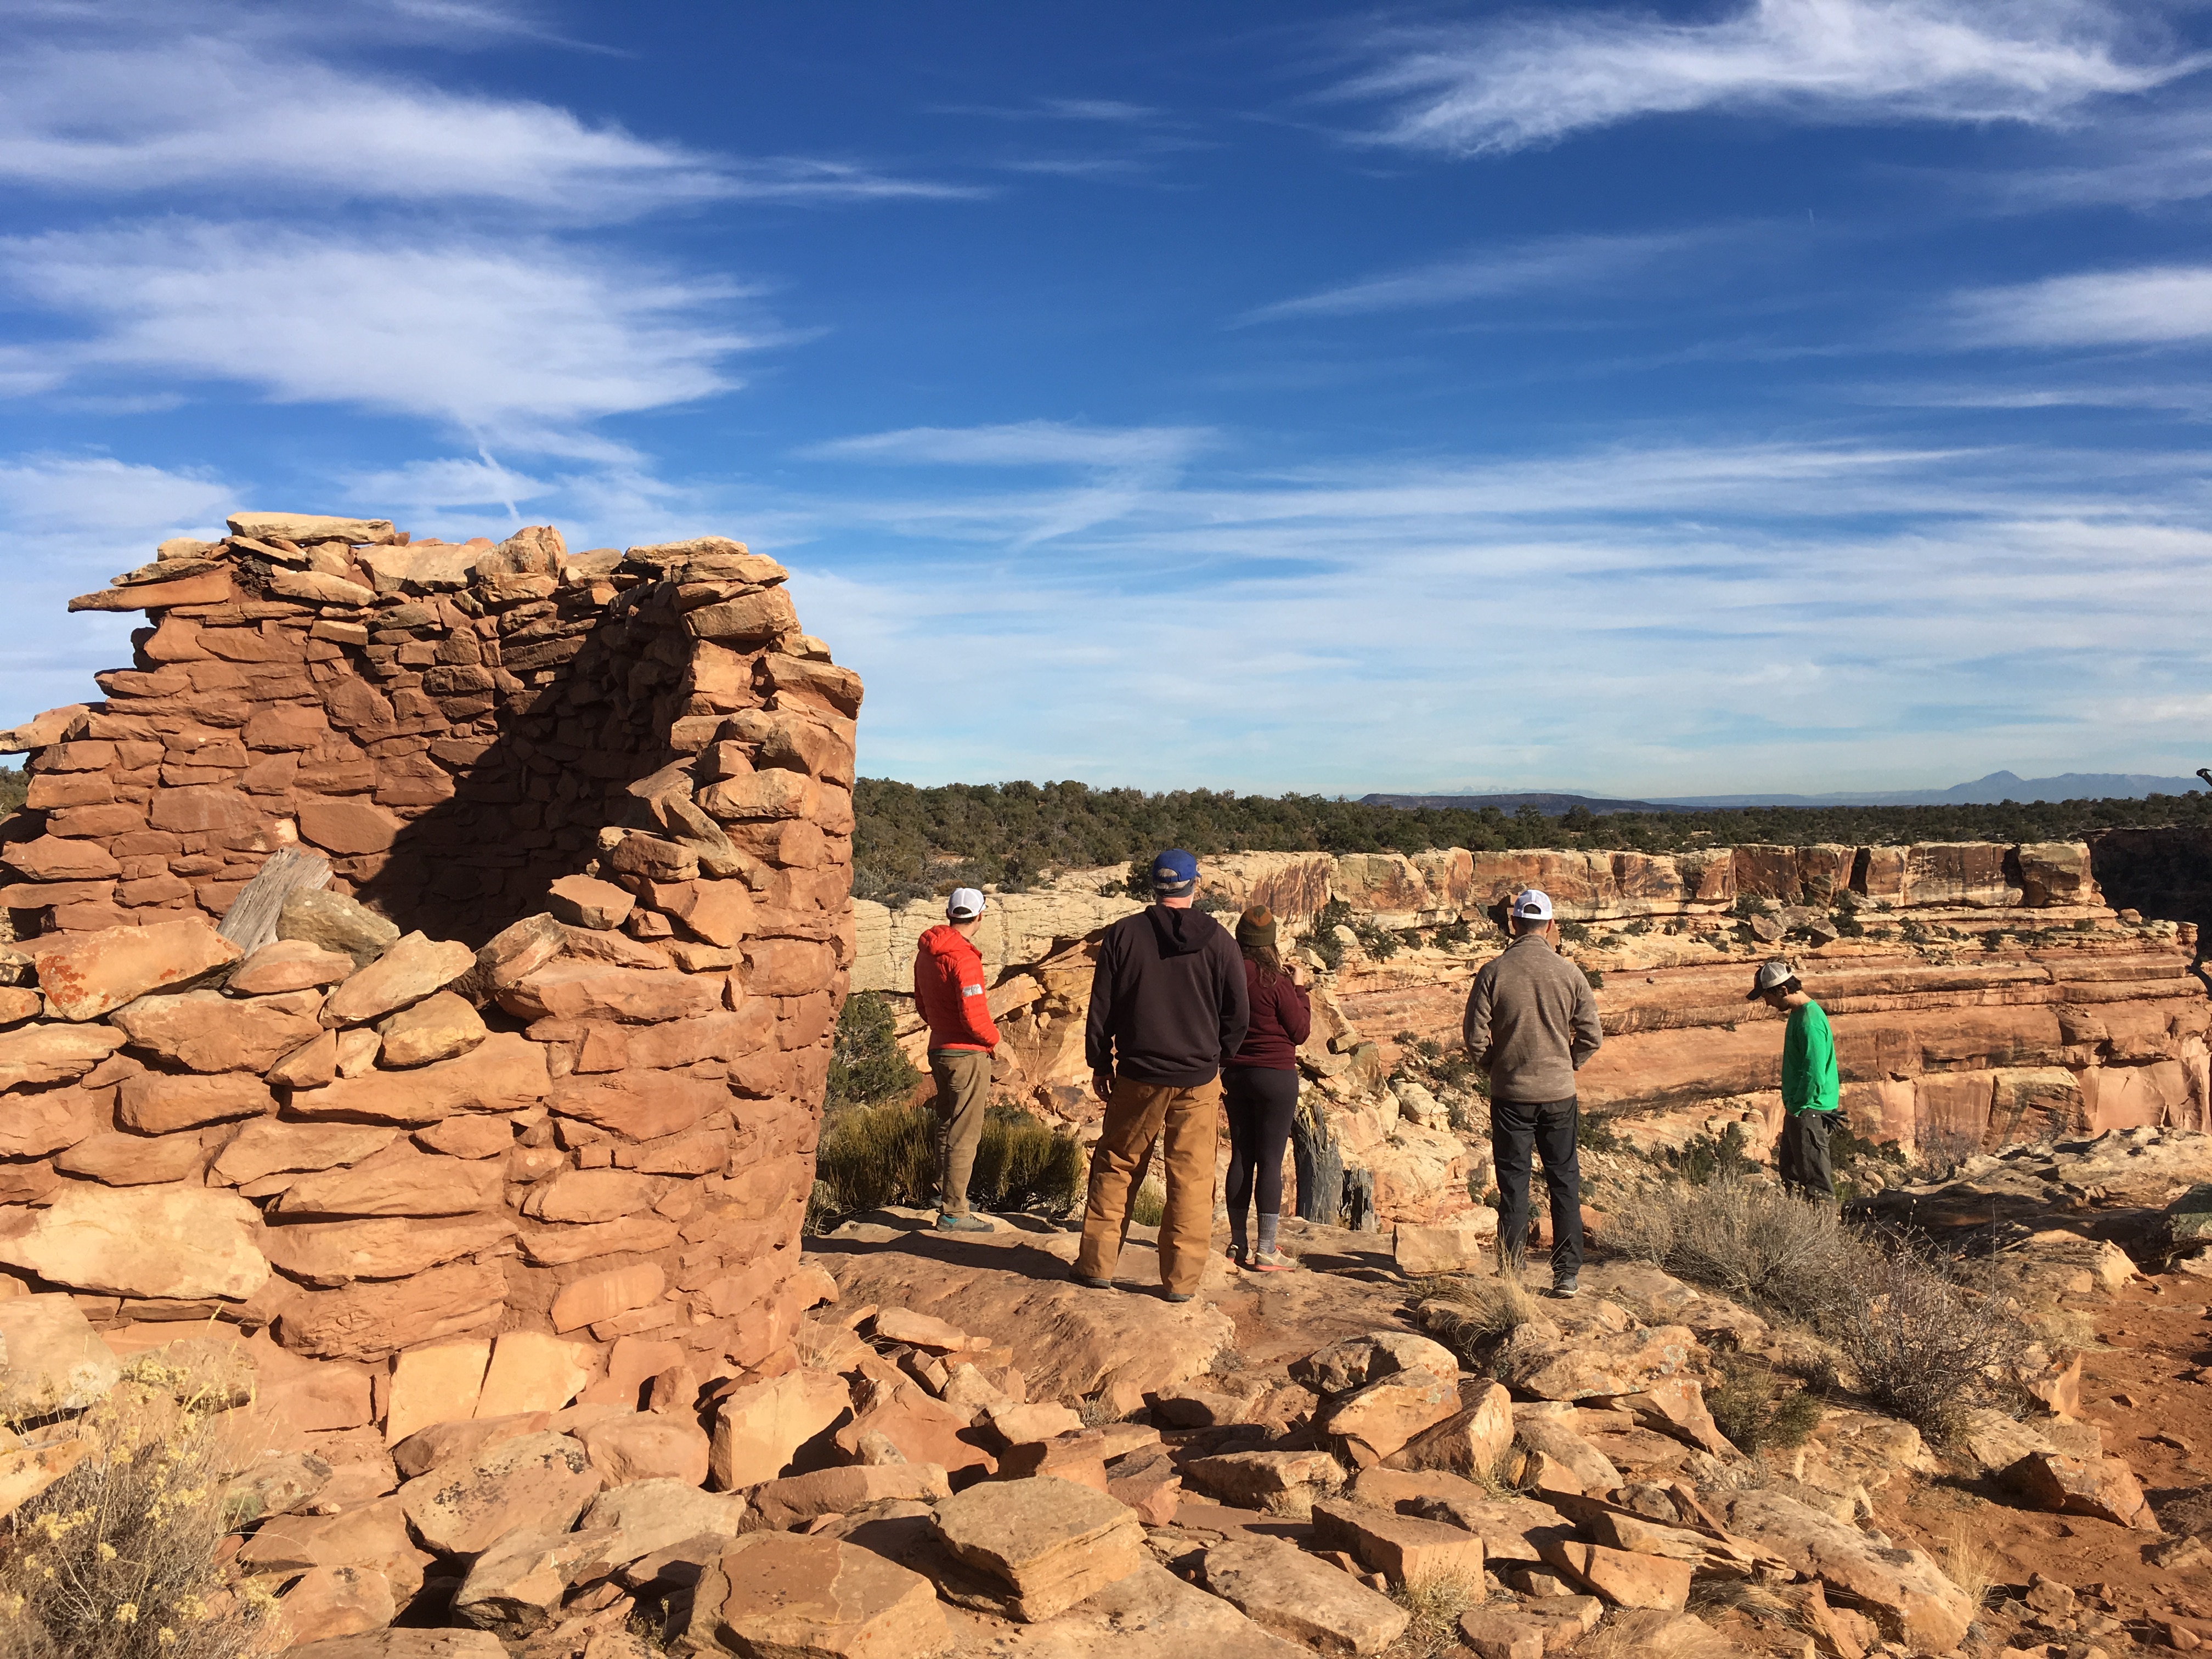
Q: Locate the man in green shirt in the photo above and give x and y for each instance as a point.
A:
(1809, 1090)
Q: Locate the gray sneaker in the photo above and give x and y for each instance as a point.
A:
(1565, 1289)
(948, 1221)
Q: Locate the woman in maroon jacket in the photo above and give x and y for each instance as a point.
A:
(1260, 1087)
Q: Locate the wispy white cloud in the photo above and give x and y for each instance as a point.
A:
(211, 97)
(1024, 443)
(2153, 305)
(521, 341)
(1548, 264)
(1535, 77)
(1112, 111)
(1634, 618)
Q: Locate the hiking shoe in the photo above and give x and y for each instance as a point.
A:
(950, 1222)
(1270, 1261)
(1174, 1296)
(1565, 1289)
(1090, 1284)
(1236, 1253)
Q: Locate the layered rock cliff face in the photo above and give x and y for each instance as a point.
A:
(524, 1035)
(1980, 994)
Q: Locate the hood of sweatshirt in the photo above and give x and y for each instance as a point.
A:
(944, 940)
(1181, 932)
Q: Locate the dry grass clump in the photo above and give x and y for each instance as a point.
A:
(873, 1156)
(117, 1560)
(1151, 1207)
(1751, 1241)
(1436, 1600)
(1924, 1343)
(1631, 1634)
(1471, 1315)
(1971, 1564)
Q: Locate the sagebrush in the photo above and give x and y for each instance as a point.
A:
(118, 1558)
(1923, 1340)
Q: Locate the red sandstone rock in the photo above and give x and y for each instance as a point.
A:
(783, 1595)
(288, 965)
(167, 1241)
(539, 1481)
(642, 1105)
(203, 1031)
(577, 990)
(337, 1253)
(441, 1026)
(601, 1296)
(506, 1070)
(54, 1054)
(759, 1427)
(84, 976)
(590, 1195)
(411, 968)
(32, 1126)
(156, 1103)
(368, 1322)
(347, 826)
(648, 1447)
(399, 1181)
(265, 1147)
(587, 902)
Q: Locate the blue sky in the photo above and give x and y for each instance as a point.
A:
(1800, 395)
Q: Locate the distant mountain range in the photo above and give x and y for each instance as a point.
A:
(1982, 791)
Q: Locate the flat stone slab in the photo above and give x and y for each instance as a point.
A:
(790, 1597)
(1284, 1590)
(1051, 1542)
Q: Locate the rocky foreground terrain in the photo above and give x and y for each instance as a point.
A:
(971, 1454)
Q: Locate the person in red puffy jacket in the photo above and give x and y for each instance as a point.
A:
(948, 989)
(1260, 1088)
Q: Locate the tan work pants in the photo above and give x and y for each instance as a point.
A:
(1136, 1116)
(964, 1094)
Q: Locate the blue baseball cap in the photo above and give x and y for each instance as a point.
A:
(1173, 870)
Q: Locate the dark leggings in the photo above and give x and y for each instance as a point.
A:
(1261, 1102)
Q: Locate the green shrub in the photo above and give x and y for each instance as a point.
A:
(1380, 943)
(1575, 932)
(15, 788)
(1322, 938)
(1754, 1415)
(1598, 1134)
(1708, 1158)
(867, 1066)
(1452, 934)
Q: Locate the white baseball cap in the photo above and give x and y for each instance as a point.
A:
(1534, 905)
(965, 904)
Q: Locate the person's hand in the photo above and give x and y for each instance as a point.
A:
(1101, 1084)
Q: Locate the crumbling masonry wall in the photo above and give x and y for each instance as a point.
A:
(543, 1058)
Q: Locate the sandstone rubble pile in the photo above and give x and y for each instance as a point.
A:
(519, 1036)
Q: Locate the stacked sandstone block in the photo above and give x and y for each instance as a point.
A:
(545, 1055)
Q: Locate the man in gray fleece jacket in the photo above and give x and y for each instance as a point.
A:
(1531, 1022)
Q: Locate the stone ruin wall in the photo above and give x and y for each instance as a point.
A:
(542, 1060)
(2083, 1018)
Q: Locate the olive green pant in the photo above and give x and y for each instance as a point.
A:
(1137, 1117)
(964, 1094)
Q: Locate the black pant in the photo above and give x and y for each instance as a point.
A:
(1801, 1157)
(1261, 1102)
(1548, 1126)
